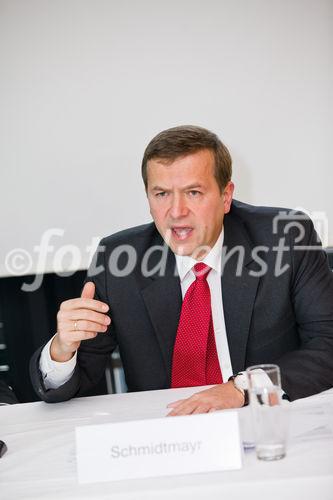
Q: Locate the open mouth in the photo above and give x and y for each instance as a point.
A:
(181, 233)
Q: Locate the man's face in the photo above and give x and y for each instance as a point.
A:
(186, 203)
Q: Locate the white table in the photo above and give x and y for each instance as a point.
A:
(41, 464)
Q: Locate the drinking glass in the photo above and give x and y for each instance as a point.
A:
(269, 411)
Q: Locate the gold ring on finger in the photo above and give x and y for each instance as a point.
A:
(75, 325)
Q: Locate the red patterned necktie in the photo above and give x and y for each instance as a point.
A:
(195, 360)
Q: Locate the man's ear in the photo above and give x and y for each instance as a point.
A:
(227, 196)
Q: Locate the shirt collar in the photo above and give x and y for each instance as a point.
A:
(213, 259)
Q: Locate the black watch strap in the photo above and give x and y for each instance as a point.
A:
(246, 392)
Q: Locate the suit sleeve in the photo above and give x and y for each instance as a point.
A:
(93, 354)
(309, 369)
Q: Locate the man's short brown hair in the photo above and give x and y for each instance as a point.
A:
(180, 141)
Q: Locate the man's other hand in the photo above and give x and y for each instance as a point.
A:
(219, 397)
(78, 319)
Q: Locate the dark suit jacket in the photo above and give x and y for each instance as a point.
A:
(285, 319)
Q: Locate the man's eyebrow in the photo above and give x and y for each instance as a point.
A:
(193, 186)
(185, 188)
(158, 188)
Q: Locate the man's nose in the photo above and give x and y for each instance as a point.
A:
(178, 207)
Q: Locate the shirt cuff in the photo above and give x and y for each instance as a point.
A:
(54, 373)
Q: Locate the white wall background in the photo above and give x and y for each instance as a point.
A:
(85, 84)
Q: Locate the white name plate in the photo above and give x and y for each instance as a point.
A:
(158, 447)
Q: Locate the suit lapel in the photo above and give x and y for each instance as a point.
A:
(163, 300)
(239, 288)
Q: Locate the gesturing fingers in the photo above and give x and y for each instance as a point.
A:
(84, 303)
(84, 325)
(76, 324)
(85, 315)
(79, 319)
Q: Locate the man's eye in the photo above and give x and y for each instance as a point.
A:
(161, 194)
(194, 193)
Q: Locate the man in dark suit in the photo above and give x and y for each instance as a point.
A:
(266, 295)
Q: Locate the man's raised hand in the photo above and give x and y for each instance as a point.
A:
(78, 319)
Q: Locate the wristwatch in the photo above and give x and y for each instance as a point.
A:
(241, 384)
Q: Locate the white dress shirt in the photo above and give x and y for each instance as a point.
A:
(56, 374)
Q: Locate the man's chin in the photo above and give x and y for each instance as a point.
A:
(196, 252)
(178, 248)
(186, 247)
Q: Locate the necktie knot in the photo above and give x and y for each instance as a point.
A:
(201, 271)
